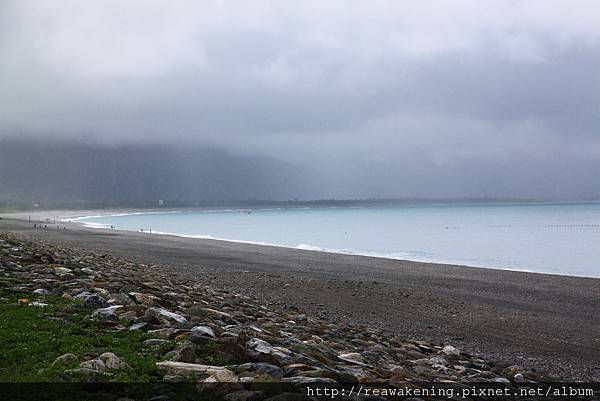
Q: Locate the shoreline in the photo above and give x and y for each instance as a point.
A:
(76, 217)
(542, 321)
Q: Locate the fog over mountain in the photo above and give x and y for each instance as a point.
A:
(138, 100)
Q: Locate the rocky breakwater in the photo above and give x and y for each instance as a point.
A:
(225, 340)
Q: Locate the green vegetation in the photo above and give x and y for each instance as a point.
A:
(33, 337)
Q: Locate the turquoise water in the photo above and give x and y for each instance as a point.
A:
(550, 238)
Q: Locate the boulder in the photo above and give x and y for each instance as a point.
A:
(201, 333)
(450, 351)
(94, 364)
(164, 334)
(262, 351)
(163, 314)
(65, 359)
(261, 368)
(109, 313)
(92, 301)
(112, 361)
(187, 369)
(155, 342)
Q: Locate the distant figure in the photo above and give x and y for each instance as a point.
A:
(35, 226)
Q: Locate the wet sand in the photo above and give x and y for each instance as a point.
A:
(540, 321)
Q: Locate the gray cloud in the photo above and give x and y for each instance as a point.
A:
(377, 98)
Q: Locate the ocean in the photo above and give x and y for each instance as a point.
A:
(547, 238)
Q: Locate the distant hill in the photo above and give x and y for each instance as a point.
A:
(67, 173)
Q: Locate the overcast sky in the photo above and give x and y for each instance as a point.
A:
(380, 98)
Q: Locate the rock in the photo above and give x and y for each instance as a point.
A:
(262, 351)
(450, 351)
(352, 357)
(62, 270)
(38, 304)
(174, 379)
(306, 381)
(217, 312)
(81, 296)
(94, 301)
(86, 372)
(202, 332)
(261, 368)
(221, 376)
(138, 326)
(186, 369)
(65, 359)
(112, 362)
(109, 313)
(101, 291)
(144, 299)
(41, 291)
(163, 314)
(186, 354)
(119, 299)
(438, 360)
(182, 336)
(164, 334)
(94, 364)
(155, 342)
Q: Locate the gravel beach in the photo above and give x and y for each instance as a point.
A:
(541, 321)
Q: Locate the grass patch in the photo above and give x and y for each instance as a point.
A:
(31, 338)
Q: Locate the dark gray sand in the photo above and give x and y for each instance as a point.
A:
(541, 321)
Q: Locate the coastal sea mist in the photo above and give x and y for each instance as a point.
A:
(546, 238)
